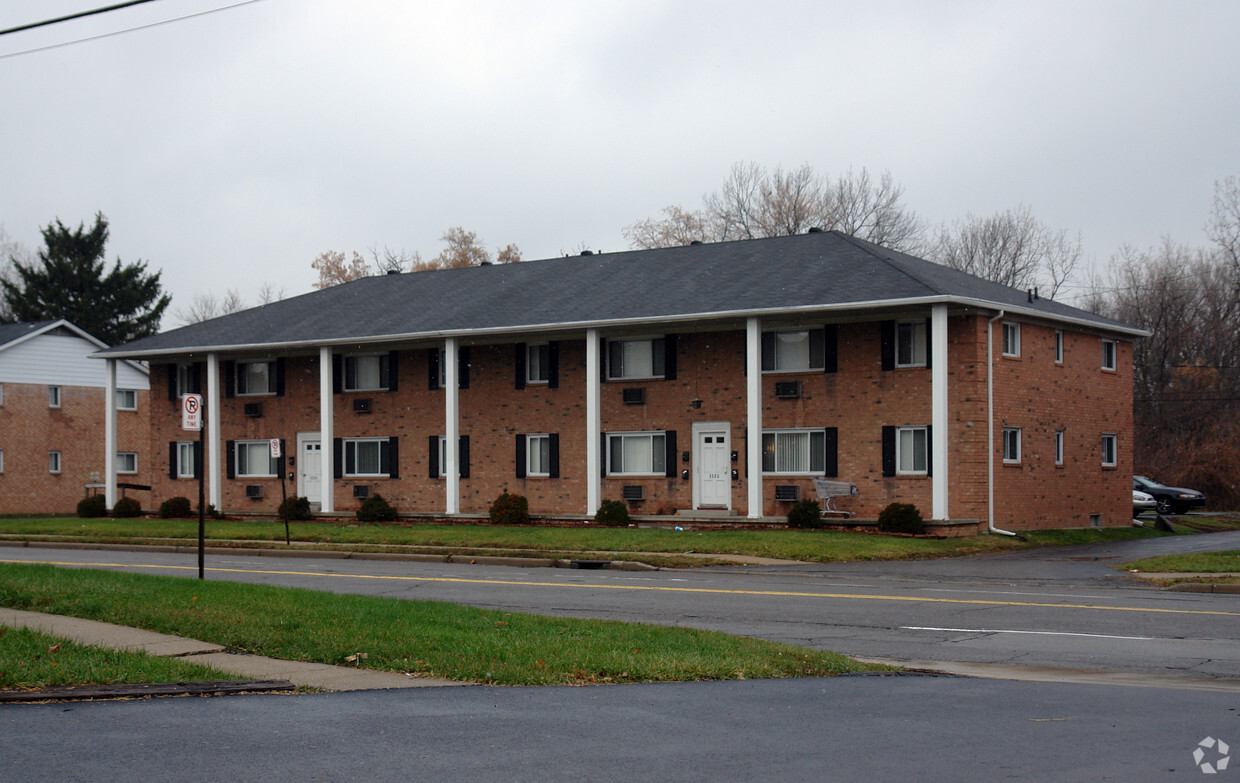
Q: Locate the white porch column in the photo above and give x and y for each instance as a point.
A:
(594, 425)
(327, 431)
(753, 419)
(215, 479)
(109, 434)
(938, 411)
(452, 433)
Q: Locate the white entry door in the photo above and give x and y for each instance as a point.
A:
(310, 466)
(713, 465)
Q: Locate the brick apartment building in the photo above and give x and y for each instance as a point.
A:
(710, 378)
(52, 418)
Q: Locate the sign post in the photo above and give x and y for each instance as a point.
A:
(276, 453)
(193, 417)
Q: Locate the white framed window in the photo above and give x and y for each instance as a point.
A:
(1011, 339)
(1108, 354)
(537, 363)
(1109, 450)
(1, 460)
(370, 372)
(186, 464)
(256, 378)
(254, 459)
(186, 380)
(53, 462)
(126, 399)
(366, 457)
(1059, 346)
(911, 343)
(1, 393)
(912, 450)
(636, 454)
(801, 452)
(793, 350)
(53, 396)
(538, 455)
(635, 358)
(1011, 445)
(126, 462)
(1058, 447)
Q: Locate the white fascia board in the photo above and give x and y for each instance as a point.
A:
(467, 336)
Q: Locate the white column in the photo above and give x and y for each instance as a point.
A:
(215, 479)
(452, 432)
(938, 411)
(327, 432)
(753, 419)
(594, 424)
(109, 434)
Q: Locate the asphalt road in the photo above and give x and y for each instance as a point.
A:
(1063, 608)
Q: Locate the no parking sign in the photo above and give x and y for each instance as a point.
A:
(191, 412)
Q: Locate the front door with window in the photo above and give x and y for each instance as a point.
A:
(712, 465)
(310, 467)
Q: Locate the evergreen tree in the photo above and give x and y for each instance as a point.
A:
(70, 281)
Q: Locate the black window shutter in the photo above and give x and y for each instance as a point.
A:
(604, 359)
(338, 457)
(669, 357)
(669, 440)
(172, 383)
(393, 444)
(830, 348)
(197, 459)
(462, 367)
(172, 458)
(602, 452)
(929, 450)
(553, 364)
(195, 377)
(520, 456)
(889, 451)
(929, 342)
(280, 378)
(433, 460)
(553, 461)
(817, 348)
(229, 369)
(768, 351)
(283, 455)
(393, 379)
(831, 444)
(337, 373)
(463, 456)
(230, 458)
(518, 361)
(887, 339)
(432, 369)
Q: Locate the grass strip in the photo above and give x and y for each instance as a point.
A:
(426, 638)
(32, 659)
(1196, 562)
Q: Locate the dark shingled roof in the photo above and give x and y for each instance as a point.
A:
(11, 332)
(817, 271)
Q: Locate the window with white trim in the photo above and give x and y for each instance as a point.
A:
(256, 378)
(1, 460)
(186, 468)
(186, 380)
(1108, 354)
(53, 462)
(53, 396)
(1109, 450)
(1059, 346)
(1, 393)
(254, 459)
(1011, 339)
(1011, 445)
(801, 452)
(126, 462)
(370, 372)
(126, 399)
(635, 358)
(636, 454)
(537, 363)
(1058, 447)
(538, 455)
(366, 457)
(912, 450)
(911, 343)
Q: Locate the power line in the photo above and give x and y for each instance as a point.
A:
(79, 15)
(129, 29)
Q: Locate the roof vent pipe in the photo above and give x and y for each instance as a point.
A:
(484, 263)
(696, 242)
(393, 271)
(814, 230)
(1029, 293)
(587, 252)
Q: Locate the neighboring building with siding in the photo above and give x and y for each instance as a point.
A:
(714, 378)
(52, 418)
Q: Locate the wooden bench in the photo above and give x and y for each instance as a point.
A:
(828, 490)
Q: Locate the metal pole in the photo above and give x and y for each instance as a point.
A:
(202, 496)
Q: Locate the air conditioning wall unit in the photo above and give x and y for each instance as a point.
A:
(254, 410)
(361, 405)
(254, 491)
(787, 493)
(634, 396)
(788, 390)
(361, 491)
(633, 492)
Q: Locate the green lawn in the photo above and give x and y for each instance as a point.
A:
(1203, 562)
(427, 638)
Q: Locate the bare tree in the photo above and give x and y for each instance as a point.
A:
(1010, 247)
(1224, 226)
(268, 293)
(11, 252)
(395, 261)
(874, 212)
(678, 226)
(206, 306)
(334, 269)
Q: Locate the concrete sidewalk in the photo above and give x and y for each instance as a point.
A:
(307, 675)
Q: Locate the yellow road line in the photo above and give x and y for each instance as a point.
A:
(652, 588)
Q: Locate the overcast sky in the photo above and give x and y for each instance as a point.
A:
(230, 149)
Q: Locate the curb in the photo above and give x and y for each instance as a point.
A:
(147, 690)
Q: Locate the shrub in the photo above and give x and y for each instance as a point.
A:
(297, 508)
(612, 513)
(213, 512)
(93, 506)
(376, 509)
(510, 510)
(900, 518)
(805, 514)
(126, 507)
(176, 508)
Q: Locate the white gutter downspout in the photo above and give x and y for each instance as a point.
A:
(990, 430)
